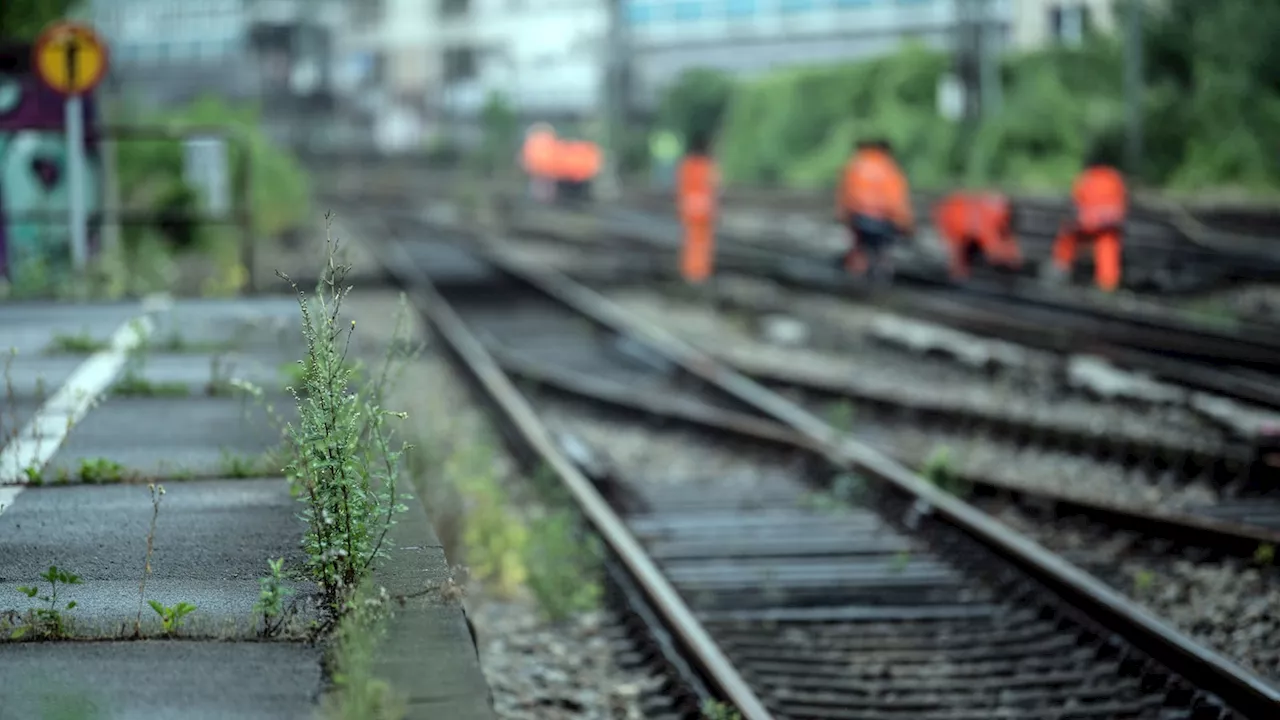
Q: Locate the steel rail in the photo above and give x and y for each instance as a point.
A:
(602, 517)
(1207, 669)
(1006, 317)
(1235, 539)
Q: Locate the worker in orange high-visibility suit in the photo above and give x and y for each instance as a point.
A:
(697, 187)
(976, 224)
(874, 200)
(1101, 203)
(538, 158)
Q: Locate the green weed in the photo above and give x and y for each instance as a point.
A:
(493, 538)
(171, 617)
(81, 343)
(133, 384)
(271, 597)
(1265, 554)
(47, 621)
(939, 471)
(713, 710)
(101, 471)
(1143, 580)
(559, 565)
(157, 493)
(358, 694)
(343, 466)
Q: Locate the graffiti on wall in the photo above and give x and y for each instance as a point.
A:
(35, 237)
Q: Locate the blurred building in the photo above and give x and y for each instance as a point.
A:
(168, 52)
(1040, 22)
(754, 36)
(446, 56)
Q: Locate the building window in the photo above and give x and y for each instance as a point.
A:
(454, 8)
(639, 13)
(796, 6)
(459, 64)
(366, 12)
(740, 8)
(688, 10)
(1069, 23)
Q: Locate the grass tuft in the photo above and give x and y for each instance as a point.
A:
(81, 343)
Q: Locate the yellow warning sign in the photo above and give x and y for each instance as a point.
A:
(70, 57)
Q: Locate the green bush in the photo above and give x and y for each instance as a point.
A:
(150, 171)
(1211, 109)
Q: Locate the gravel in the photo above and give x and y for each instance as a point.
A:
(1031, 391)
(1232, 606)
(540, 672)
(537, 670)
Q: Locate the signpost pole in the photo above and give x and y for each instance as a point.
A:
(72, 60)
(75, 177)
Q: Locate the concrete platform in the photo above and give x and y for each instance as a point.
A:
(188, 437)
(159, 680)
(211, 545)
(217, 526)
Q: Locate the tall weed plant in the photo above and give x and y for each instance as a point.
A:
(345, 465)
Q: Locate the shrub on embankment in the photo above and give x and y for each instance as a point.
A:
(1212, 110)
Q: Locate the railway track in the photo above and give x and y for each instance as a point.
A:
(1237, 364)
(975, 622)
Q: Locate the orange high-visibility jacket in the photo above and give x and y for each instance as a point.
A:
(963, 215)
(578, 161)
(872, 185)
(1100, 198)
(697, 182)
(539, 153)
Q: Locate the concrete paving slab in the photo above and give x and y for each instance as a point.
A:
(212, 543)
(28, 327)
(243, 324)
(159, 680)
(34, 375)
(189, 437)
(197, 371)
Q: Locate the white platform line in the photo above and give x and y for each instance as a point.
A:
(49, 427)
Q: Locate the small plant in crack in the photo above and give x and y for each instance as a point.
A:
(939, 470)
(171, 616)
(271, 597)
(101, 471)
(34, 474)
(714, 710)
(81, 343)
(47, 621)
(157, 494)
(343, 464)
(239, 466)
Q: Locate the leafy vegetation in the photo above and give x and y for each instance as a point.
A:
(1212, 107)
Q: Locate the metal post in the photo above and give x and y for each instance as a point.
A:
(988, 21)
(1133, 90)
(614, 99)
(74, 119)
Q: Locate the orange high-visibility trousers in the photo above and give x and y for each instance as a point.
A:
(698, 253)
(1106, 253)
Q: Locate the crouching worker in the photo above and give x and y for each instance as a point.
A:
(874, 200)
(1101, 203)
(977, 225)
(697, 186)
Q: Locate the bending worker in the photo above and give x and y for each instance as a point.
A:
(1101, 203)
(977, 224)
(697, 185)
(538, 158)
(874, 200)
